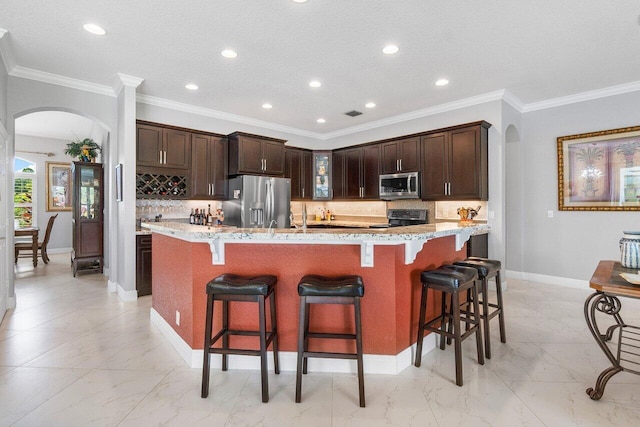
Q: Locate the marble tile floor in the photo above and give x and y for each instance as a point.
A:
(72, 354)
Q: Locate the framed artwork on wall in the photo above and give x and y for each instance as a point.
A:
(58, 186)
(599, 171)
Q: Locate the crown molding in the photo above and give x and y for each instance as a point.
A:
(513, 100)
(5, 51)
(583, 96)
(125, 80)
(207, 112)
(56, 79)
(418, 114)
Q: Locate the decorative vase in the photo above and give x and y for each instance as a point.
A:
(630, 249)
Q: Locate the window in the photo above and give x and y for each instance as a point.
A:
(24, 197)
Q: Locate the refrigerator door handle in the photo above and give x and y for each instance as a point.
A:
(268, 202)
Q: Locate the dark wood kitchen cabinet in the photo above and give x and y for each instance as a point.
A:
(143, 265)
(402, 155)
(162, 147)
(299, 168)
(87, 219)
(208, 166)
(455, 163)
(256, 155)
(359, 170)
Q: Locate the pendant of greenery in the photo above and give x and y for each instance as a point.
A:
(85, 150)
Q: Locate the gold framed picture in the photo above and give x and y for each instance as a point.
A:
(599, 171)
(58, 186)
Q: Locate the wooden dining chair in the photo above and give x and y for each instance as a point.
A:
(42, 246)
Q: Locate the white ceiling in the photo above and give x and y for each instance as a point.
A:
(537, 50)
(55, 124)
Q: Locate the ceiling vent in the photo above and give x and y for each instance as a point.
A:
(353, 113)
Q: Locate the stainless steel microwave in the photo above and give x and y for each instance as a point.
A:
(405, 185)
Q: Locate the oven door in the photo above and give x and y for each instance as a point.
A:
(399, 186)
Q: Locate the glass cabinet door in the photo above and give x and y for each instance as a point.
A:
(88, 196)
(322, 176)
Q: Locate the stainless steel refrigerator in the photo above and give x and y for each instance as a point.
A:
(258, 202)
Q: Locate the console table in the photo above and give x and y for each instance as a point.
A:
(609, 286)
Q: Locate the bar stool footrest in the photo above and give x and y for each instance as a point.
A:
(327, 355)
(330, 335)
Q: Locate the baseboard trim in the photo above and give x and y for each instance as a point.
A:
(549, 280)
(373, 363)
(112, 286)
(127, 296)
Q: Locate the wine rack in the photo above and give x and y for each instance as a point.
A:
(154, 185)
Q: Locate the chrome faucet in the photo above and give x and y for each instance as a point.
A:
(304, 216)
(271, 230)
(292, 221)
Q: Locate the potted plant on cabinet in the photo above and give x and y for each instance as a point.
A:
(85, 150)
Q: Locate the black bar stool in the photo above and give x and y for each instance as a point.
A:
(487, 269)
(328, 290)
(452, 281)
(231, 287)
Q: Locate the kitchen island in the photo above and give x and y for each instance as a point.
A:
(186, 257)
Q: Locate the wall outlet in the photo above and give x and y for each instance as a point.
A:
(177, 318)
(549, 214)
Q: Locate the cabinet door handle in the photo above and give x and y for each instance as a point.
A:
(160, 155)
(165, 156)
(400, 164)
(303, 193)
(445, 188)
(397, 165)
(449, 187)
(265, 164)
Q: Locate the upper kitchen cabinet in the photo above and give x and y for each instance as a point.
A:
(256, 155)
(162, 147)
(208, 166)
(454, 163)
(402, 155)
(298, 167)
(360, 170)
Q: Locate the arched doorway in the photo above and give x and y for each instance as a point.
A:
(41, 135)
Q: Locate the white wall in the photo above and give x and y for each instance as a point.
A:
(61, 232)
(3, 93)
(571, 243)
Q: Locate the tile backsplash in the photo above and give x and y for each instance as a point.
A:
(449, 210)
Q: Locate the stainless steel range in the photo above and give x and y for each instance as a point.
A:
(404, 217)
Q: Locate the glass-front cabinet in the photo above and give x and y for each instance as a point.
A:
(87, 219)
(322, 175)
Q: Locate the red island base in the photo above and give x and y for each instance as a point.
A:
(390, 305)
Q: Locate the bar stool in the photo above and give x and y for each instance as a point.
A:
(314, 289)
(487, 269)
(231, 287)
(452, 281)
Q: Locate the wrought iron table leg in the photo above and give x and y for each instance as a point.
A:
(609, 305)
(605, 376)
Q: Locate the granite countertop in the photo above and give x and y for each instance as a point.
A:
(229, 233)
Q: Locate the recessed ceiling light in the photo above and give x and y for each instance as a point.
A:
(94, 29)
(390, 49)
(299, 1)
(442, 82)
(229, 53)
(315, 83)
(191, 86)
(267, 106)
(321, 121)
(370, 104)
